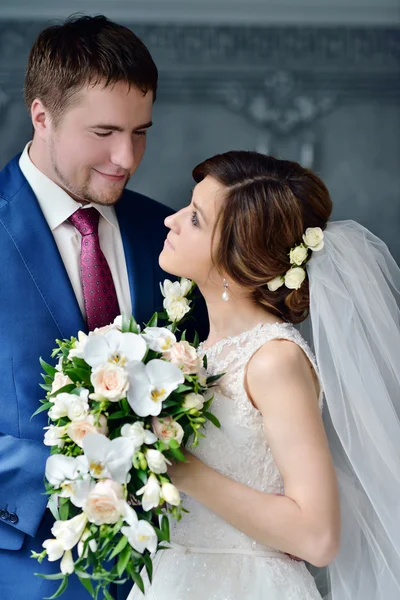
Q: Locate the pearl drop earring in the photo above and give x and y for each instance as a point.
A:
(225, 295)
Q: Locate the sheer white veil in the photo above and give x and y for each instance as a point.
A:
(355, 323)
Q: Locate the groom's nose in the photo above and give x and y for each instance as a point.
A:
(123, 155)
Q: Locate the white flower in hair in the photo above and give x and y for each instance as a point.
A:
(314, 238)
(275, 283)
(294, 278)
(298, 255)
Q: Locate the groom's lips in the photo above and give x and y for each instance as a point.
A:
(111, 177)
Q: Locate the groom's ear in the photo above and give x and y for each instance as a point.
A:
(41, 119)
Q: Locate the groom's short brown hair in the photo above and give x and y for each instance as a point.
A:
(85, 51)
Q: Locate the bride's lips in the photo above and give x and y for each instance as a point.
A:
(110, 177)
(168, 244)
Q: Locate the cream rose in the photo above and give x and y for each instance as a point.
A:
(60, 380)
(294, 278)
(184, 356)
(110, 381)
(275, 283)
(78, 429)
(105, 503)
(298, 255)
(314, 238)
(193, 400)
(167, 429)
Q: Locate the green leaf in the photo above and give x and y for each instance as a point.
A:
(123, 560)
(119, 547)
(153, 321)
(64, 390)
(149, 566)
(142, 476)
(51, 577)
(107, 595)
(178, 454)
(214, 378)
(212, 418)
(42, 408)
(165, 527)
(137, 579)
(45, 386)
(183, 336)
(50, 370)
(120, 414)
(183, 388)
(77, 374)
(64, 511)
(87, 584)
(196, 340)
(174, 444)
(60, 590)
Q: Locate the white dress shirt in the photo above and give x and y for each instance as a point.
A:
(57, 206)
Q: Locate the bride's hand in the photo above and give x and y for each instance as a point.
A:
(182, 473)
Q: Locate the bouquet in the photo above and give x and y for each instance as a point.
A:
(121, 403)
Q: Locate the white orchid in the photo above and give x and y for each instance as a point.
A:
(54, 436)
(108, 459)
(61, 468)
(159, 339)
(140, 533)
(151, 493)
(114, 347)
(151, 384)
(138, 434)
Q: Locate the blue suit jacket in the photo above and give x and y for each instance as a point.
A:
(38, 305)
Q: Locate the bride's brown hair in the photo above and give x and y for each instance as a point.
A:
(268, 205)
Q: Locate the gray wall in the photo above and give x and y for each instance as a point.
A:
(327, 96)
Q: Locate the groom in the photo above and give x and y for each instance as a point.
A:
(76, 249)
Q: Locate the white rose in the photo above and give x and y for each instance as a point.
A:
(54, 549)
(275, 283)
(170, 494)
(294, 278)
(60, 380)
(67, 565)
(193, 400)
(54, 436)
(314, 238)
(176, 309)
(69, 532)
(105, 503)
(298, 255)
(167, 429)
(151, 493)
(138, 434)
(186, 286)
(110, 381)
(78, 407)
(157, 461)
(60, 406)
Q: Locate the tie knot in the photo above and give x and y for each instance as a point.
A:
(86, 220)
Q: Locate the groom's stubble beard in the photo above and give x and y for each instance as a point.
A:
(83, 192)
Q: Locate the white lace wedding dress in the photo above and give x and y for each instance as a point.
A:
(210, 559)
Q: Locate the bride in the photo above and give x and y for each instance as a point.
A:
(278, 486)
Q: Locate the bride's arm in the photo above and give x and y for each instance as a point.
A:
(306, 521)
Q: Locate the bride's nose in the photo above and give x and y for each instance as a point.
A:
(172, 221)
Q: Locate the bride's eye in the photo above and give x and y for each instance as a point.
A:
(194, 219)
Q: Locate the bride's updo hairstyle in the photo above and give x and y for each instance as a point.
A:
(268, 206)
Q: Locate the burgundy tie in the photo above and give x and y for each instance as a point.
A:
(100, 297)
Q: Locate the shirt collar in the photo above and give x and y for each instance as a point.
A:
(57, 206)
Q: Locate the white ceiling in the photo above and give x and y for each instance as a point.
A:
(263, 12)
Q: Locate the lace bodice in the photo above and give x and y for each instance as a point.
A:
(239, 449)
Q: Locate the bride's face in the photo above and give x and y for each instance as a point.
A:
(187, 249)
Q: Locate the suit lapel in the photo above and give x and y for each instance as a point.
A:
(25, 223)
(139, 259)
